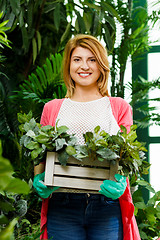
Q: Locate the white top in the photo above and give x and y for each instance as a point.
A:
(81, 117)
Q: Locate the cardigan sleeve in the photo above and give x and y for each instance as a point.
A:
(44, 117)
(50, 112)
(122, 112)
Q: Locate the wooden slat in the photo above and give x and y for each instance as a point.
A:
(81, 172)
(77, 183)
(49, 168)
(113, 170)
(87, 162)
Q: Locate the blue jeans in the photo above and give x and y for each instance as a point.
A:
(80, 216)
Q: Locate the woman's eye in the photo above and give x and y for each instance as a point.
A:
(93, 60)
(76, 59)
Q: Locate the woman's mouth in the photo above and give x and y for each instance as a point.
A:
(84, 74)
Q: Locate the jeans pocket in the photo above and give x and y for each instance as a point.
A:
(59, 199)
(110, 202)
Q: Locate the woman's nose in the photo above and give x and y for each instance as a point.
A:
(84, 65)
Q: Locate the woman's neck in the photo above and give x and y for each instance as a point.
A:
(85, 95)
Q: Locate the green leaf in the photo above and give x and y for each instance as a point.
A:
(6, 206)
(2, 25)
(39, 41)
(140, 205)
(42, 138)
(21, 207)
(72, 141)
(7, 232)
(111, 21)
(124, 130)
(63, 157)
(143, 235)
(81, 23)
(91, 5)
(49, 6)
(107, 37)
(133, 127)
(107, 7)
(34, 47)
(146, 185)
(22, 118)
(15, 5)
(88, 136)
(36, 152)
(97, 129)
(35, 83)
(17, 186)
(70, 150)
(3, 219)
(30, 15)
(108, 154)
(104, 134)
(96, 23)
(30, 125)
(82, 149)
(57, 16)
(25, 140)
(100, 159)
(151, 218)
(60, 143)
(47, 128)
(131, 136)
(50, 147)
(21, 20)
(62, 129)
(66, 33)
(6, 172)
(134, 154)
(31, 134)
(32, 145)
(118, 140)
(88, 21)
(102, 142)
(25, 38)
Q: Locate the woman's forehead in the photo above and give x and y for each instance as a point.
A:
(81, 51)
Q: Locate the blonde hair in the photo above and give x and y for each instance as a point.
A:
(100, 53)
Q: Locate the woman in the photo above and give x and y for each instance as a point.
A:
(107, 215)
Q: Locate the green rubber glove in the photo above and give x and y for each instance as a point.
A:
(113, 189)
(42, 190)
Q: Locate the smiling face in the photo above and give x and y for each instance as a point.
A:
(84, 68)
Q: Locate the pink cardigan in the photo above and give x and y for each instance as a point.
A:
(123, 115)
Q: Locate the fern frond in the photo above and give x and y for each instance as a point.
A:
(42, 86)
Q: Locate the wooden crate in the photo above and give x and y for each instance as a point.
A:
(86, 177)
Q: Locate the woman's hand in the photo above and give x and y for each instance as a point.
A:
(113, 189)
(42, 190)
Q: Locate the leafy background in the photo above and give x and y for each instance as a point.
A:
(32, 38)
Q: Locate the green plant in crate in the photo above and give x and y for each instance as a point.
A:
(37, 140)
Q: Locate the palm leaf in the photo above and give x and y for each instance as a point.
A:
(8, 120)
(41, 86)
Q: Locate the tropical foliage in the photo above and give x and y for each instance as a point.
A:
(43, 27)
(41, 86)
(140, 89)
(12, 208)
(30, 75)
(147, 214)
